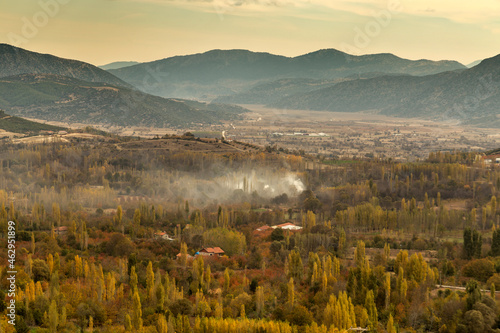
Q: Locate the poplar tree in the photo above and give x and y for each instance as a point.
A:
(137, 311)
(53, 317)
(291, 292)
(150, 281)
(133, 279)
(372, 310)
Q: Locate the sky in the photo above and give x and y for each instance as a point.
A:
(103, 31)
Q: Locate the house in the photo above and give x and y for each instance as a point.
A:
(211, 251)
(163, 235)
(60, 231)
(178, 256)
(263, 228)
(287, 226)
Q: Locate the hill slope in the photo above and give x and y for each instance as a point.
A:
(15, 61)
(19, 125)
(59, 98)
(471, 96)
(226, 72)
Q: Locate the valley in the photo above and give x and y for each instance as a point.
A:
(338, 135)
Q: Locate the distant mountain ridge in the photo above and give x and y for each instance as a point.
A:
(15, 61)
(225, 72)
(471, 96)
(64, 99)
(118, 64)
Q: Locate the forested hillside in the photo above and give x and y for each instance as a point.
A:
(109, 233)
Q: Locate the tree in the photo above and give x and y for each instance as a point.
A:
(259, 300)
(390, 325)
(296, 269)
(128, 323)
(40, 270)
(137, 311)
(473, 293)
(133, 279)
(474, 321)
(56, 214)
(53, 317)
(232, 242)
(300, 316)
(473, 242)
(183, 254)
(277, 235)
(227, 279)
(495, 243)
(137, 216)
(181, 307)
(91, 324)
(479, 269)
(62, 321)
(372, 309)
(339, 312)
(162, 325)
(387, 286)
(359, 255)
(291, 292)
(119, 215)
(150, 281)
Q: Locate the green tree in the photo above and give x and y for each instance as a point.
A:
(495, 243)
(53, 317)
(474, 321)
(473, 294)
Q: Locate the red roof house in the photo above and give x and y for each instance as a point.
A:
(211, 251)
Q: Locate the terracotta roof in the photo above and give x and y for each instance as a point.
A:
(286, 224)
(264, 227)
(216, 250)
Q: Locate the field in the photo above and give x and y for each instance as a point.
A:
(339, 135)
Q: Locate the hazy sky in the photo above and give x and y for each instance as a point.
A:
(102, 31)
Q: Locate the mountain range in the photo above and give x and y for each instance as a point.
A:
(44, 86)
(154, 94)
(15, 60)
(471, 96)
(65, 99)
(226, 72)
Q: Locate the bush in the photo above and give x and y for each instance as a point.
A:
(479, 269)
(277, 235)
(300, 316)
(181, 307)
(40, 270)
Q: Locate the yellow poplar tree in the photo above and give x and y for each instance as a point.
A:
(137, 311)
(150, 281)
